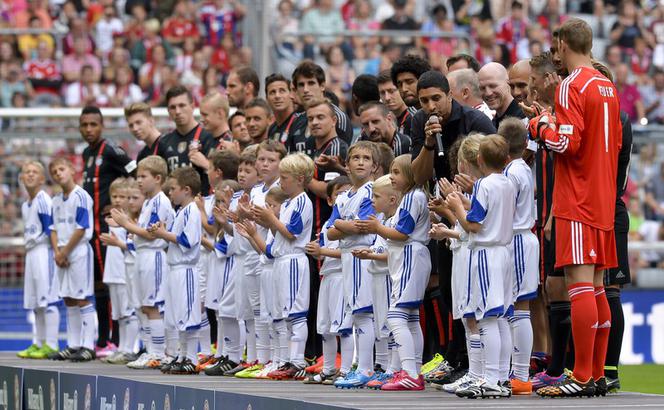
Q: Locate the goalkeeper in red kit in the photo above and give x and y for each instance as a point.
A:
(585, 136)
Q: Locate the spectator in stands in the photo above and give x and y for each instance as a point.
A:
(219, 17)
(654, 199)
(193, 77)
(180, 26)
(400, 20)
(653, 98)
(150, 73)
(466, 11)
(630, 97)
(461, 61)
(78, 29)
(36, 8)
(27, 43)
(613, 56)
(222, 57)
(45, 75)
(105, 28)
(629, 26)
(283, 28)
(641, 59)
(86, 91)
(123, 91)
(512, 29)
(14, 82)
(66, 14)
(340, 75)
(73, 63)
(322, 19)
(7, 56)
(135, 26)
(362, 19)
(142, 51)
(657, 30)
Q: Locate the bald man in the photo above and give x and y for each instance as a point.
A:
(465, 89)
(518, 80)
(495, 88)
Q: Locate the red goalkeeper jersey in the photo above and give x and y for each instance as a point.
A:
(587, 140)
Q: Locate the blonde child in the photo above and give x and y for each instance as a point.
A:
(410, 266)
(41, 285)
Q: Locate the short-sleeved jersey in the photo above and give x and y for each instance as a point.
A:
(208, 205)
(492, 206)
(298, 137)
(175, 150)
(522, 177)
(114, 264)
(37, 219)
(380, 247)
(187, 229)
(404, 120)
(224, 246)
(155, 149)
(586, 142)
(71, 213)
(130, 252)
(281, 132)
(257, 197)
(352, 205)
(412, 218)
(330, 265)
(156, 209)
(297, 214)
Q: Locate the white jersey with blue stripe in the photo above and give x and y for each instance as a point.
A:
(380, 247)
(156, 209)
(37, 219)
(130, 252)
(412, 218)
(114, 263)
(298, 215)
(355, 205)
(522, 177)
(330, 265)
(208, 205)
(72, 213)
(257, 197)
(187, 229)
(492, 206)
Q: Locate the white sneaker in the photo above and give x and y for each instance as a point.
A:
(141, 362)
(480, 388)
(461, 383)
(269, 368)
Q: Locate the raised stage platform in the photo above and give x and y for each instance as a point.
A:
(37, 385)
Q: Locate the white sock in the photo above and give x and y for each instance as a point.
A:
(144, 332)
(204, 334)
(157, 337)
(282, 342)
(347, 350)
(475, 356)
(220, 338)
(182, 346)
(364, 329)
(40, 327)
(263, 345)
(230, 338)
(418, 337)
(73, 327)
(505, 349)
(329, 352)
(193, 340)
(122, 334)
(52, 325)
(522, 339)
(250, 331)
(382, 352)
(490, 336)
(274, 343)
(131, 333)
(172, 345)
(395, 360)
(88, 331)
(298, 340)
(397, 320)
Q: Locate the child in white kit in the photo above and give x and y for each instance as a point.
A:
(151, 268)
(386, 201)
(182, 297)
(352, 207)
(330, 313)
(71, 232)
(525, 254)
(489, 222)
(292, 232)
(41, 285)
(410, 266)
(115, 277)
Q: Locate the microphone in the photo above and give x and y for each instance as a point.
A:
(439, 138)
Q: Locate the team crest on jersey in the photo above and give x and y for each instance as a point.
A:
(98, 161)
(182, 147)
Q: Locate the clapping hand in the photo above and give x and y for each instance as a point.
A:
(313, 249)
(370, 225)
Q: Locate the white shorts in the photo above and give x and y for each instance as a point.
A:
(247, 284)
(382, 290)
(182, 304)
(525, 270)
(291, 280)
(357, 283)
(410, 268)
(330, 315)
(132, 286)
(120, 301)
(221, 286)
(76, 280)
(151, 272)
(202, 267)
(41, 284)
(268, 302)
(460, 281)
(491, 287)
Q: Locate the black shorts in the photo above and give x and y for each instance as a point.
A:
(548, 255)
(620, 275)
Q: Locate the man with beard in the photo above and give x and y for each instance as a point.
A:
(242, 86)
(378, 125)
(259, 117)
(405, 72)
(390, 96)
(518, 80)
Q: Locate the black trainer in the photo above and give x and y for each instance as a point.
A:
(570, 387)
(65, 354)
(613, 385)
(221, 367)
(601, 387)
(83, 355)
(183, 367)
(166, 367)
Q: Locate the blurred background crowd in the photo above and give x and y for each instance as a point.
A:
(56, 53)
